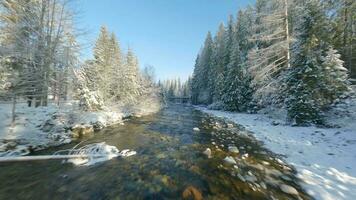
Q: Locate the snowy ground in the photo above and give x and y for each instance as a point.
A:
(325, 158)
(26, 131)
(42, 127)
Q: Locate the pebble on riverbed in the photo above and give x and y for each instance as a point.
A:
(245, 156)
(233, 149)
(230, 160)
(207, 152)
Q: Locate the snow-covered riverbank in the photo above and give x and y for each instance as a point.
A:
(43, 127)
(324, 157)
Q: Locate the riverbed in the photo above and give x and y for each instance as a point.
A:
(169, 164)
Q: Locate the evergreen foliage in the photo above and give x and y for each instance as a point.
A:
(278, 53)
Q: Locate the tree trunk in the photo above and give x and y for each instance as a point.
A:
(13, 113)
(287, 31)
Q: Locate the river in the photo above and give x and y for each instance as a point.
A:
(169, 164)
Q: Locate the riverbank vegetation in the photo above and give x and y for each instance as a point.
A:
(295, 55)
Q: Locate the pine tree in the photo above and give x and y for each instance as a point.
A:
(237, 93)
(219, 64)
(195, 86)
(335, 74)
(311, 80)
(201, 87)
(130, 84)
(342, 15)
(102, 62)
(115, 69)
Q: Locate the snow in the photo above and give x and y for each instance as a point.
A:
(42, 127)
(27, 127)
(97, 152)
(324, 157)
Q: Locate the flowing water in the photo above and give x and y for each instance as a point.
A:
(169, 164)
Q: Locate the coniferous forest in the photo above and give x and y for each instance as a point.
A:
(292, 54)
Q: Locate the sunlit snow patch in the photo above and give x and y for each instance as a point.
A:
(95, 153)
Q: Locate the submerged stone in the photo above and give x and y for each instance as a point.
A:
(230, 160)
(233, 149)
(192, 193)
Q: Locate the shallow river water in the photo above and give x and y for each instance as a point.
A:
(169, 164)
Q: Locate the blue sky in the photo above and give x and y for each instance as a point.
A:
(164, 33)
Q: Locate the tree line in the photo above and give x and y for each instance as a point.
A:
(40, 59)
(113, 76)
(285, 53)
(175, 88)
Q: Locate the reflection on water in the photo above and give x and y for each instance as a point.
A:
(169, 165)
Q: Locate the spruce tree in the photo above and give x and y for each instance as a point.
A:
(219, 63)
(311, 79)
(202, 77)
(130, 84)
(237, 93)
(102, 59)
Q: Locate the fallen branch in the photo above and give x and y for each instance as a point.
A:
(86, 155)
(45, 157)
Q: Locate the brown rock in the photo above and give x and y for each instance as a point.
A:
(82, 130)
(192, 193)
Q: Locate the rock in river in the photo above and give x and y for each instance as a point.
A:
(207, 152)
(233, 149)
(192, 193)
(82, 130)
(196, 129)
(230, 160)
(288, 189)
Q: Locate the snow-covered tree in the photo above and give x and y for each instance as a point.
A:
(102, 68)
(149, 74)
(220, 61)
(203, 77)
(335, 74)
(316, 77)
(131, 87)
(89, 100)
(342, 15)
(34, 32)
(237, 92)
(271, 54)
(174, 88)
